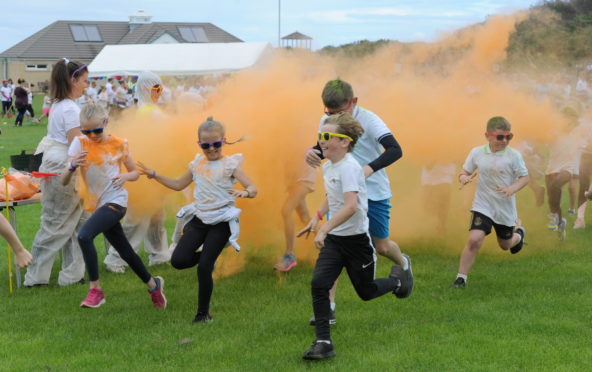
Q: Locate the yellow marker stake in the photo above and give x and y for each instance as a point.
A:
(7, 212)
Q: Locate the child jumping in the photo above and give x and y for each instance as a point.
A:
(212, 219)
(344, 240)
(502, 173)
(100, 157)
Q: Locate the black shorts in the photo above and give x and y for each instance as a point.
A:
(479, 221)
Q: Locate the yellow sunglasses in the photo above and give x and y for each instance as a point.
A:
(326, 136)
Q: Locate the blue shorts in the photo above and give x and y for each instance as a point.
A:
(379, 214)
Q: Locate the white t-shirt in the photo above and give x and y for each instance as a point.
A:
(368, 148)
(501, 168)
(103, 163)
(213, 180)
(64, 115)
(6, 93)
(438, 174)
(346, 176)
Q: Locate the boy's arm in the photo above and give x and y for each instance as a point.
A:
(314, 221)
(392, 153)
(350, 203)
(176, 184)
(75, 162)
(515, 187)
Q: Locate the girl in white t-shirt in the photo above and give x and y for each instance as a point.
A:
(100, 157)
(502, 173)
(212, 219)
(344, 240)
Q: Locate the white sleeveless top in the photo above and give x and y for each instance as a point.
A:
(213, 180)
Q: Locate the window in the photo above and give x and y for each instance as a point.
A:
(85, 33)
(36, 67)
(193, 34)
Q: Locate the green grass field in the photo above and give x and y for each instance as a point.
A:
(532, 311)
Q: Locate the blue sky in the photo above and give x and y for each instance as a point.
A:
(328, 22)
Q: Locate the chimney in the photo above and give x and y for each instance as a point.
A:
(139, 18)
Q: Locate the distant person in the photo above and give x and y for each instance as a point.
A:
(45, 109)
(6, 95)
(21, 102)
(502, 173)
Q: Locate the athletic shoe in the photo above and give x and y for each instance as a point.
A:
(287, 262)
(332, 319)
(579, 224)
(561, 229)
(553, 222)
(319, 350)
(459, 283)
(571, 212)
(94, 298)
(202, 318)
(405, 278)
(157, 294)
(116, 269)
(522, 232)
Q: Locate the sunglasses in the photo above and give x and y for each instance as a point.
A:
(100, 130)
(326, 136)
(206, 145)
(157, 88)
(501, 137)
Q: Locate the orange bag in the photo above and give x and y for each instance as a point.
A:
(20, 186)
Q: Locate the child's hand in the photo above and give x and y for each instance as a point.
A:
(310, 228)
(319, 240)
(144, 170)
(79, 159)
(120, 180)
(506, 191)
(22, 258)
(239, 193)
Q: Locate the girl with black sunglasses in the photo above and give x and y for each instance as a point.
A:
(211, 221)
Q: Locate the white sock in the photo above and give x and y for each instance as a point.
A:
(325, 341)
(459, 275)
(332, 306)
(405, 264)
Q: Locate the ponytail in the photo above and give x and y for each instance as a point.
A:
(59, 85)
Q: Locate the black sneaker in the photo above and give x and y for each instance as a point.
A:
(332, 319)
(318, 351)
(459, 283)
(203, 318)
(522, 232)
(405, 278)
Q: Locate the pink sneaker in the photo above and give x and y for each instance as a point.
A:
(158, 298)
(94, 298)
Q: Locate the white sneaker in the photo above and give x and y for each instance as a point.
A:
(116, 269)
(579, 224)
(561, 227)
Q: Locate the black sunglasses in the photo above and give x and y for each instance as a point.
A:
(206, 145)
(501, 137)
(86, 132)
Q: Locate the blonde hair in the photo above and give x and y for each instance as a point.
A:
(346, 124)
(211, 125)
(93, 111)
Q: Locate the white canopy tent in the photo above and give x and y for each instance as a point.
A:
(176, 59)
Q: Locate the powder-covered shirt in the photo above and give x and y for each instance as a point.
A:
(213, 181)
(501, 168)
(368, 148)
(346, 176)
(64, 115)
(103, 163)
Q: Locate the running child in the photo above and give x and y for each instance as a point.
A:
(502, 173)
(212, 219)
(100, 157)
(344, 240)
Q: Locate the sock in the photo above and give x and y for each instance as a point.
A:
(405, 264)
(582, 211)
(332, 306)
(156, 286)
(325, 341)
(463, 276)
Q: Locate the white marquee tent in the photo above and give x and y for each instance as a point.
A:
(177, 59)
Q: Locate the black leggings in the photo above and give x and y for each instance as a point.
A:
(106, 220)
(20, 116)
(213, 238)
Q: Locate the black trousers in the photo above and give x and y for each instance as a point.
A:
(106, 220)
(20, 116)
(213, 238)
(31, 110)
(357, 255)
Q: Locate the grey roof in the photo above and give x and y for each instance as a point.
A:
(56, 41)
(296, 36)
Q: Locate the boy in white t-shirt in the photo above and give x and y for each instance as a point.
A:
(344, 240)
(502, 173)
